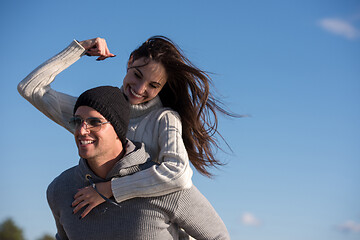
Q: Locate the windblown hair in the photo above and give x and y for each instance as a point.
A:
(187, 92)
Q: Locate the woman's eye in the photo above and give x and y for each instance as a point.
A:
(137, 75)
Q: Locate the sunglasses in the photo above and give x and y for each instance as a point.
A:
(93, 124)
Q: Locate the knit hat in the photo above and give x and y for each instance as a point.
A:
(111, 103)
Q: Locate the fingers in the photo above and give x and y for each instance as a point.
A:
(87, 44)
(81, 192)
(97, 47)
(80, 206)
(87, 210)
(86, 197)
(82, 198)
(103, 58)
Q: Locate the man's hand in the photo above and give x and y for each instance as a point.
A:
(89, 197)
(97, 47)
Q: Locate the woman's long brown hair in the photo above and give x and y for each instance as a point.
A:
(187, 91)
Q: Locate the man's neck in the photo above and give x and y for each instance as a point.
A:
(102, 167)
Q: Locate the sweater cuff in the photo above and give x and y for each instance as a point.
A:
(76, 45)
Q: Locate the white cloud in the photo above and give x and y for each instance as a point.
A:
(339, 27)
(250, 220)
(349, 226)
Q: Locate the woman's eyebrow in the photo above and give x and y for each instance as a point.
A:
(137, 68)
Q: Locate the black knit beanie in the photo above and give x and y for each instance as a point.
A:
(111, 103)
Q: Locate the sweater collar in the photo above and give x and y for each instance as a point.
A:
(138, 110)
(135, 155)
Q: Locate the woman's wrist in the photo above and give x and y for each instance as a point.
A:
(105, 189)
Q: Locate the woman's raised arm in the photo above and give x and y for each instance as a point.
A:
(36, 89)
(36, 86)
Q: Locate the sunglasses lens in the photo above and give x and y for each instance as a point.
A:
(93, 122)
(75, 122)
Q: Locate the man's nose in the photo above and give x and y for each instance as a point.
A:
(83, 128)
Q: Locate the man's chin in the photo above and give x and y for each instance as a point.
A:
(84, 154)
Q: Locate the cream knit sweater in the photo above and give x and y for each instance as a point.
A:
(152, 124)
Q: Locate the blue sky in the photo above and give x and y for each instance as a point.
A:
(294, 66)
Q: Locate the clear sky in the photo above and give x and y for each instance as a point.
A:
(294, 66)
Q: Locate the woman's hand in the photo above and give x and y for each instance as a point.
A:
(89, 197)
(97, 47)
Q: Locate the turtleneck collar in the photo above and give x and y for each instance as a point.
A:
(138, 110)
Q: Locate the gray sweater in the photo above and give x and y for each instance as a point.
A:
(137, 218)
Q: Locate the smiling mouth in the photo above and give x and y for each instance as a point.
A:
(86, 142)
(135, 94)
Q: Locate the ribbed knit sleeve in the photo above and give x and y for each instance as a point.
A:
(161, 133)
(36, 86)
(198, 218)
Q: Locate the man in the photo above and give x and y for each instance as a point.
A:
(101, 117)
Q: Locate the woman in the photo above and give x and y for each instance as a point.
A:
(171, 108)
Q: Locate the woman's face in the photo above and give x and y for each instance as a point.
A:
(143, 80)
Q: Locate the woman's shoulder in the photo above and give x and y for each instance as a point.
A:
(165, 113)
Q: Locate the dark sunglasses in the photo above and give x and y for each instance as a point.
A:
(94, 124)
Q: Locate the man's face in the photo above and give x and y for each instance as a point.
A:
(98, 146)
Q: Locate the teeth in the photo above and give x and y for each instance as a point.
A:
(135, 94)
(85, 142)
